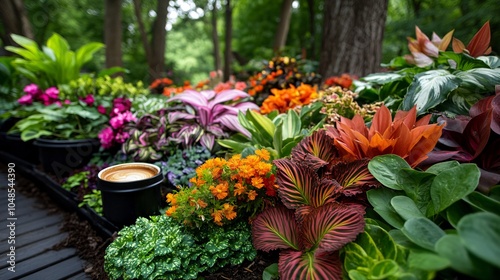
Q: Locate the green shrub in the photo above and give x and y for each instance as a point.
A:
(161, 248)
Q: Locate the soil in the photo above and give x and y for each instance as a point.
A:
(91, 247)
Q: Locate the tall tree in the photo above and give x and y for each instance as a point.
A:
(215, 37)
(113, 32)
(155, 48)
(228, 39)
(14, 20)
(352, 37)
(283, 26)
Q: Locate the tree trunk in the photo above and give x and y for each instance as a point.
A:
(113, 32)
(158, 41)
(215, 37)
(142, 29)
(312, 29)
(283, 26)
(354, 43)
(228, 39)
(14, 20)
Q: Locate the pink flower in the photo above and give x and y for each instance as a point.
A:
(26, 99)
(121, 105)
(52, 93)
(240, 85)
(106, 136)
(45, 99)
(101, 109)
(67, 101)
(121, 137)
(58, 103)
(31, 89)
(89, 100)
(116, 122)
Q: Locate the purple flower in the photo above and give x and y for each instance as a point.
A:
(31, 89)
(101, 109)
(26, 99)
(52, 93)
(89, 100)
(106, 137)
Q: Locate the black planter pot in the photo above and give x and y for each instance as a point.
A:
(14, 145)
(61, 157)
(126, 199)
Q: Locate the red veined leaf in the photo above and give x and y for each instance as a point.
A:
(477, 133)
(480, 43)
(309, 266)
(320, 145)
(296, 183)
(353, 177)
(276, 228)
(333, 225)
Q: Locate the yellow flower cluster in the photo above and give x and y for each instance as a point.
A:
(223, 190)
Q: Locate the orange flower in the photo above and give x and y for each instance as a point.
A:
(170, 211)
(257, 182)
(239, 189)
(405, 136)
(284, 99)
(202, 203)
(229, 212)
(252, 195)
(171, 198)
(220, 191)
(263, 154)
(217, 215)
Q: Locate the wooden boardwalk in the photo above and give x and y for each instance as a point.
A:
(35, 234)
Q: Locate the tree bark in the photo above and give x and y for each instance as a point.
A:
(113, 33)
(352, 37)
(15, 21)
(142, 29)
(158, 41)
(283, 26)
(312, 29)
(215, 37)
(228, 39)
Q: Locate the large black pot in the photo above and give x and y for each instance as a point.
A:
(129, 191)
(61, 157)
(14, 145)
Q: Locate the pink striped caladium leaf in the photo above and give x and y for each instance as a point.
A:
(191, 97)
(178, 115)
(330, 227)
(353, 177)
(233, 124)
(309, 266)
(316, 150)
(227, 95)
(276, 228)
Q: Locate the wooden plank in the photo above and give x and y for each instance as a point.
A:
(22, 228)
(63, 270)
(81, 276)
(34, 236)
(37, 263)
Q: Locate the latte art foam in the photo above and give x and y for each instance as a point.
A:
(128, 173)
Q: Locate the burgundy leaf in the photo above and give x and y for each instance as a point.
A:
(438, 156)
(308, 266)
(275, 228)
(495, 120)
(333, 225)
(296, 183)
(481, 106)
(354, 177)
(480, 43)
(320, 145)
(477, 133)
(457, 124)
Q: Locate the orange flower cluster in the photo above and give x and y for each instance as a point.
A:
(344, 81)
(284, 99)
(223, 190)
(258, 81)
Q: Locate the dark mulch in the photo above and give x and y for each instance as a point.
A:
(91, 246)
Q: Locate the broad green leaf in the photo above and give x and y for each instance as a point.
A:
(442, 166)
(237, 147)
(453, 184)
(84, 53)
(429, 89)
(423, 232)
(34, 134)
(491, 61)
(383, 269)
(58, 45)
(291, 125)
(483, 202)
(456, 211)
(480, 233)
(271, 272)
(382, 78)
(480, 79)
(427, 261)
(417, 185)
(463, 60)
(380, 199)
(386, 168)
(355, 256)
(405, 207)
(383, 241)
(356, 275)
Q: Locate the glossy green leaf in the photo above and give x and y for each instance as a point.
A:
(383, 241)
(480, 79)
(442, 166)
(271, 272)
(423, 232)
(380, 199)
(383, 269)
(355, 257)
(382, 78)
(453, 184)
(386, 168)
(427, 261)
(483, 202)
(480, 233)
(405, 207)
(417, 185)
(456, 211)
(429, 89)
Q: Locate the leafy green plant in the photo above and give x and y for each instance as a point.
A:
(93, 200)
(9, 85)
(278, 133)
(76, 180)
(53, 65)
(161, 248)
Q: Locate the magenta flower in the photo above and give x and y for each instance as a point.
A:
(101, 109)
(46, 100)
(67, 101)
(89, 100)
(119, 120)
(52, 93)
(31, 89)
(26, 99)
(121, 137)
(121, 105)
(106, 136)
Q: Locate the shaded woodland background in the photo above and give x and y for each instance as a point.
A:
(185, 40)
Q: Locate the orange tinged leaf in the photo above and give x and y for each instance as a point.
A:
(480, 43)
(446, 40)
(381, 121)
(458, 46)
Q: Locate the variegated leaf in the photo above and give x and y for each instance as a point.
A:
(309, 266)
(480, 79)
(296, 183)
(276, 228)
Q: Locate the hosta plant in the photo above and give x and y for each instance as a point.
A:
(161, 248)
(206, 116)
(441, 81)
(321, 210)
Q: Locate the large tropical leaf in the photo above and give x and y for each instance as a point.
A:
(226, 95)
(383, 78)
(480, 79)
(353, 177)
(296, 183)
(429, 89)
(190, 97)
(333, 225)
(463, 61)
(309, 266)
(276, 228)
(316, 150)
